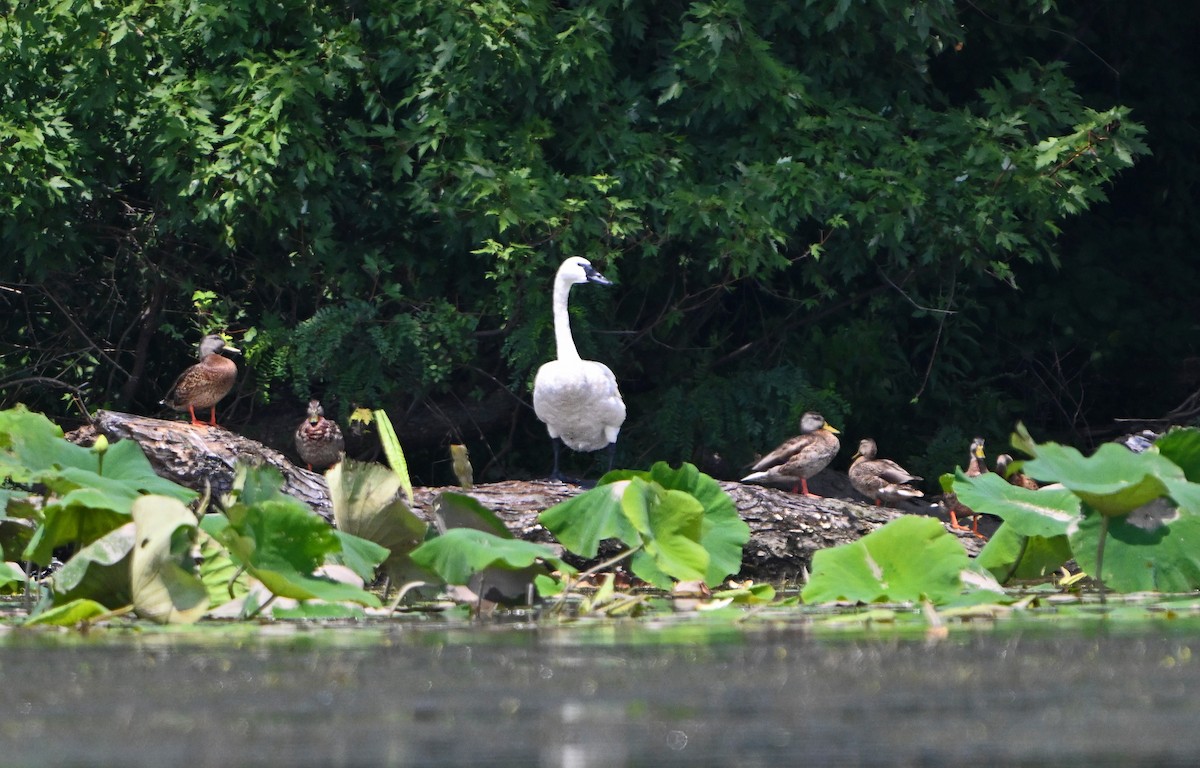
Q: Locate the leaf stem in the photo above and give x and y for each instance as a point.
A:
(591, 572)
(1100, 556)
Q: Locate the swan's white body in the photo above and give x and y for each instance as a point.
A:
(577, 399)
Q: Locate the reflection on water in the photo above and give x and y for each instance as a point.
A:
(579, 698)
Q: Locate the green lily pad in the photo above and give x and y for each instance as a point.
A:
(1152, 549)
(224, 579)
(669, 523)
(1182, 447)
(1046, 513)
(91, 500)
(1113, 480)
(460, 553)
(1012, 555)
(318, 611)
(98, 571)
(359, 555)
(910, 559)
(30, 443)
(166, 589)
(582, 522)
(609, 511)
(18, 520)
(69, 614)
(458, 510)
(281, 543)
(723, 532)
(366, 503)
(63, 525)
(11, 575)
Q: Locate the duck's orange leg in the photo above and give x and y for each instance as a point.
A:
(954, 521)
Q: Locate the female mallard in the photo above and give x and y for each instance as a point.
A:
(204, 384)
(976, 466)
(576, 399)
(319, 440)
(880, 479)
(801, 457)
(1014, 477)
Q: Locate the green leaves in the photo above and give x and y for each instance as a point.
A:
(281, 542)
(679, 523)
(582, 522)
(1113, 480)
(1150, 550)
(908, 560)
(1030, 513)
(164, 583)
(459, 553)
(1150, 504)
(367, 504)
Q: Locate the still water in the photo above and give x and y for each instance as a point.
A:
(769, 694)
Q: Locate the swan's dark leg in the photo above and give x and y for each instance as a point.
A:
(557, 443)
(612, 453)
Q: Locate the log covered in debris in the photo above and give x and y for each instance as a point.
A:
(785, 528)
(200, 456)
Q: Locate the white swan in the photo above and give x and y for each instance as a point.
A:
(577, 399)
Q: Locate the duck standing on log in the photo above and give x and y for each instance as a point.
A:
(576, 399)
(318, 440)
(797, 459)
(880, 479)
(976, 466)
(204, 384)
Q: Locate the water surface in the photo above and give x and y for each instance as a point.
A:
(608, 694)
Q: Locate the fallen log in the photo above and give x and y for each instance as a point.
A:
(785, 528)
(200, 456)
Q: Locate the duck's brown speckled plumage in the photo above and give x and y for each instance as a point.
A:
(318, 440)
(880, 479)
(204, 384)
(797, 459)
(1016, 477)
(976, 466)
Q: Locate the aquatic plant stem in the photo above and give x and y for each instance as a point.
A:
(593, 571)
(1100, 555)
(1016, 560)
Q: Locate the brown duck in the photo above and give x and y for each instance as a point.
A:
(976, 466)
(205, 383)
(319, 440)
(1014, 477)
(797, 459)
(880, 479)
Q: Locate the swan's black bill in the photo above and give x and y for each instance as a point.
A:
(595, 277)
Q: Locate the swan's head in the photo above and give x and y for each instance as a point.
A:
(579, 270)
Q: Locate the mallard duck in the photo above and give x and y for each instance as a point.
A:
(576, 399)
(1139, 442)
(205, 383)
(319, 440)
(801, 457)
(880, 479)
(976, 466)
(1016, 477)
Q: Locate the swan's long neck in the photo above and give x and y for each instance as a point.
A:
(562, 322)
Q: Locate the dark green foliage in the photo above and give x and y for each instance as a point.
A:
(377, 194)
